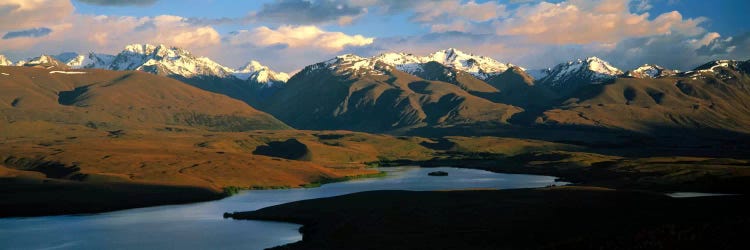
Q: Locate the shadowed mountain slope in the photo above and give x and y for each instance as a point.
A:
(354, 93)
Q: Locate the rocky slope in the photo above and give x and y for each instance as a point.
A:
(568, 76)
(355, 93)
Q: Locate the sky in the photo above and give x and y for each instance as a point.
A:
(290, 34)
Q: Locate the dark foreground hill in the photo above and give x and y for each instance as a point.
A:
(557, 218)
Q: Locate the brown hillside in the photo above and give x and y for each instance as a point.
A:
(119, 99)
(635, 104)
(378, 102)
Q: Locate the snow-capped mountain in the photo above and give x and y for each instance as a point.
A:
(716, 66)
(255, 72)
(723, 69)
(480, 66)
(163, 60)
(651, 71)
(591, 70)
(45, 61)
(92, 60)
(4, 61)
(172, 61)
(353, 63)
(349, 64)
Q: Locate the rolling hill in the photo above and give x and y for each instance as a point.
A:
(119, 99)
(714, 96)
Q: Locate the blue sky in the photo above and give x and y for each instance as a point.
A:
(289, 34)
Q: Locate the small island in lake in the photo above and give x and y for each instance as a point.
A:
(438, 173)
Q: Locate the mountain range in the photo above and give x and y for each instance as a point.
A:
(401, 92)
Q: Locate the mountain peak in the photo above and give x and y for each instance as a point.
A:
(144, 48)
(251, 66)
(166, 60)
(256, 72)
(650, 71)
(162, 60)
(479, 66)
(349, 57)
(592, 69)
(41, 59)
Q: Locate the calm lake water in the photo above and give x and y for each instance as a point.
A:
(201, 226)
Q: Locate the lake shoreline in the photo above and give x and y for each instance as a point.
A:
(605, 174)
(31, 198)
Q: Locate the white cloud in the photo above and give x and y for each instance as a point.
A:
(26, 14)
(584, 22)
(108, 34)
(310, 37)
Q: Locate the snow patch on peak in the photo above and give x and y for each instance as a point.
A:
(251, 66)
(256, 72)
(602, 67)
(651, 71)
(592, 69)
(92, 60)
(349, 64)
(479, 66)
(4, 61)
(40, 60)
(45, 61)
(160, 59)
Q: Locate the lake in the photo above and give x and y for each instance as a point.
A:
(201, 225)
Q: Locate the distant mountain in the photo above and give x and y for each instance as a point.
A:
(253, 71)
(479, 66)
(172, 61)
(400, 92)
(721, 68)
(167, 61)
(571, 75)
(251, 83)
(47, 62)
(91, 61)
(65, 56)
(651, 71)
(537, 73)
(356, 93)
(714, 96)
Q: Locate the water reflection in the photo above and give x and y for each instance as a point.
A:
(201, 226)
